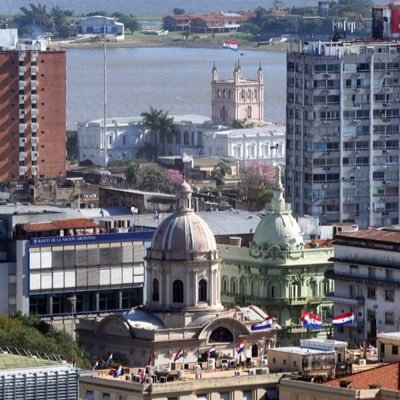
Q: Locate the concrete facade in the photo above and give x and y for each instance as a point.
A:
(366, 274)
(237, 98)
(267, 142)
(125, 137)
(342, 149)
(97, 24)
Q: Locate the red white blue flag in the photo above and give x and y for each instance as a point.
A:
(96, 366)
(109, 359)
(231, 45)
(310, 320)
(343, 319)
(211, 351)
(266, 324)
(118, 372)
(179, 354)
(240, 346)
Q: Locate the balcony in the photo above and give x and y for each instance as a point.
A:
(21, 56)
(21, 85)
(34, 127)
(21, 142)
(34, 85)
(34, 170)
(22, 128)
(34, 98)
(35, 141)
(34, 55)
(353, 301)
(34, 69)
(21, 171)
(34, 112)
(21, 114)
(21, 70)
(21, 156)
(21, 99)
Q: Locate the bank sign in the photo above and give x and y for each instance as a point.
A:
(143, 236)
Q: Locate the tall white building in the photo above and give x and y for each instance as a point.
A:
(367, 282)
(266, 142)
(343, 119)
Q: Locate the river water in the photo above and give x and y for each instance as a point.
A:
(174, 79)
(149, 7)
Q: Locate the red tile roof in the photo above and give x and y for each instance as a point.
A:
(379, 235)
(77, 223)
(386, 376)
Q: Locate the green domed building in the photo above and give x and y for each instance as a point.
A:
(279, 271)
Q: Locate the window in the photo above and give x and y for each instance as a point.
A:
(371, 272)
(247, 395)
(121, 397)
(389, 318)
(395, 350)
(224, 396)
(202, 290)
(371, 293)
(89, 395)
(156, 290)
(389, 295)
(106, 396)
(186, 138)
(177, 291)
(249, 112)
(221, 335)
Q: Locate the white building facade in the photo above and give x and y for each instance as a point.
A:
(267, 143)
(124, 137)
(97, 24)
(367, 282)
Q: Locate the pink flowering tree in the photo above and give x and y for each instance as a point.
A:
(257, 174)
(176, 177)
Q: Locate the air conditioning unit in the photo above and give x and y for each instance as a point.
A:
(237, 373)
(362, 361)
(356, 121)
(252, 372)
(327, 75)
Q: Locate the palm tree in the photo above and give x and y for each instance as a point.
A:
(160, 125)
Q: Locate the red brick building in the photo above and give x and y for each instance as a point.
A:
(32, 114)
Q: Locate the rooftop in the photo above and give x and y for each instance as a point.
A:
(377, 235)
(386, 376)
(392, 335)
(77, 223)
(270, 130)
(13, 361)
(300, 350)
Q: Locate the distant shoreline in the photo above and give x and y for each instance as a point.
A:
(148, 41)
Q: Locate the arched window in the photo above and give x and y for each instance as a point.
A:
(178, 137)
(218, 93)
(202, 290)
(224, 94)
(156, 290)
(221, 335)
(233, 285)
(177, 291)
(224, 285)
(243, 94)
(242, 287)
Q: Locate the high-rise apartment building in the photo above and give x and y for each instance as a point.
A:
(32, 113)
(342, 153)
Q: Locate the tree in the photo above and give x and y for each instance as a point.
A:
(30, 333)
(265, 197)
(130, 22)
(34, 20)
(160, 125)
(257, 174)
(241, 124)
(131, 173)
(62, 26)
(220, 172)
(72, 145)
(343, 7)
(179, 11)
(153, 179)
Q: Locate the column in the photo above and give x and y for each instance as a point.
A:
(119, 299)
(167, 280)
(196, 292)
(97, 301)
(186, 290)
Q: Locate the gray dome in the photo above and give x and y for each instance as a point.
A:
(183, 235)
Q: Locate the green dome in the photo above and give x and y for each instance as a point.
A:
(278, 227)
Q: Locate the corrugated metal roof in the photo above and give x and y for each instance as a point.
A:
(62, 224)
(379, 235)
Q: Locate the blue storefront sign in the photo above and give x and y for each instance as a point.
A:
(142, 236)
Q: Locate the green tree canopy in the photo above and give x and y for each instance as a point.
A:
(153, 179)
(131, 173)
(179, 11)
(344, 7)
(221, 170)
(30, 333)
